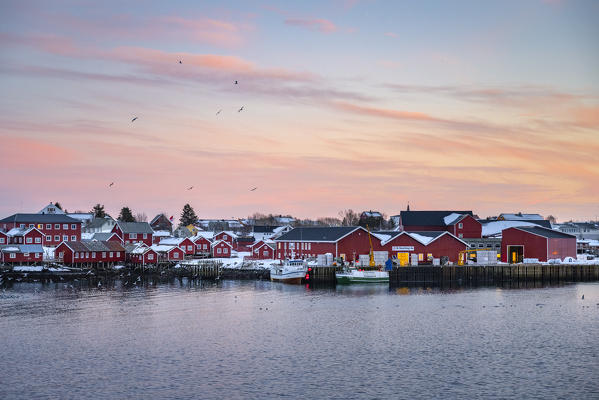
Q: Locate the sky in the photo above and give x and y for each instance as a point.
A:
(370, 105)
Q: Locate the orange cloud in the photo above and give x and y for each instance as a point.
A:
(386, 113)
(586, 117)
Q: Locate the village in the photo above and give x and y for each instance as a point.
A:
(95, 240)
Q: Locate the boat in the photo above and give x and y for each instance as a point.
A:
(293, 271)
(362, 276)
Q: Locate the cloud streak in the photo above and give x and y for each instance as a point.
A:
(316, 24)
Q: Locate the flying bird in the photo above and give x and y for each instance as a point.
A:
(251, 190)
(189, 188)
(112, 183)
(218, 112)
(180, 62)
(240, 110)
(134, 118)
(236, 82)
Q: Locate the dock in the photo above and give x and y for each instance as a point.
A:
(492, 274)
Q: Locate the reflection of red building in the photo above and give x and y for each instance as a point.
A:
(536, 242)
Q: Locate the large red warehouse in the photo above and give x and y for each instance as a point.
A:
(536, 242)
(425, 244)
(341, 241)
(459, 223)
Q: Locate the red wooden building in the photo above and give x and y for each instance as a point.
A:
(460, 223)
(226, 236)
(140, 254)
(343, 241)
(202, 244)
(184, 244)
(3, 238)
(55, 227)
(25, 236)
(263, 251)
(536, 242)
(168, 252)
(221, 249)
(21, 253)
(134, 232)
(157, 236)
(90, 252)
(426, 244)
(244, 243)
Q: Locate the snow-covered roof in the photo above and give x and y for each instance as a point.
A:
(496, 227)
(172, 241)
(140, 249)
(451, 218)
(230, 233)
(520, 216)
(83, 217)
(161, 233)
(163, 248)
(220, 241)
(202, 234)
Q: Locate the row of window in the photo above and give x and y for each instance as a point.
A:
(224, 250)
(86, 254)
(57, 238)
(134, 236)
(489, 245)
(202, 246)
(299, 245)
(14, 255)
(49, 226)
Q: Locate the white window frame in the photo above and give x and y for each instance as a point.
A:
(25, 254)
(218, 250)
(73, 226)
(145, 235)
(56, 226)
(205, 246)
(48, 226)
(189, 248)
(93, 254)
(57, 238)
(75, 255)
(175, 254)
(38, 240)
(13, 255)
(49, 238)
(225, 250)
(460, 225)
(111, 254)
(133, 236)
(32, 225)
(103, 254)
(21, 225)
(29, 240)
(65, 238)
(150, 256)
(65, 227)
(37, 255)
(118, 253)
(1, 240)
(73, 237)
(460, 235)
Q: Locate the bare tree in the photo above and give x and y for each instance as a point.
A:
(349, 217)
(141, 217)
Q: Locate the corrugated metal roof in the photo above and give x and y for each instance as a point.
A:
(548, 233)
(135, 227)
(317, 234)
(40, 218)
(427, 218)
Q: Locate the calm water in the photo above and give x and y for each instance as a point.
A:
(265, 340)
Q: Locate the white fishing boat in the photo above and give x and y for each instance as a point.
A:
(362, 276)
(293, 271)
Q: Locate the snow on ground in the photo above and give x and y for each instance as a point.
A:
(27, 268)
(237, 261)
(117, 267)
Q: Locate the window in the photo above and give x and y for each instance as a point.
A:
(225, 250)
(133, 236)
(175, 255)
(460, 225)
(26, 254)
(56, 238)
(265, 252)
(104, 254)
(73, 226)
(118, 253)
(73, 238)
(218, 251)
(420, 257)
(309, 246)
(29, 240)
(56, 226)
(150, 256)
(291, 246)
(205, 246)
(65, 238)
(279, 245)
(22, 225)
(190, 248)
(145, 235)
(76, 255)
(256, 251)
(93, 254)
(1, 240)
(38, 240)
(48, 238)
(31, 225)
(86, 254)
(65, 226)
(13, 255)
(225, 237)
(460, 235)
(37, 255)
(48, 226)
(61, 254)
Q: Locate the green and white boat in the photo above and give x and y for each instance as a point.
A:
(362, 276)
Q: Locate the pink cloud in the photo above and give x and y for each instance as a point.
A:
(587, 117)
(386, 113)
(317, 24)
(391, 34)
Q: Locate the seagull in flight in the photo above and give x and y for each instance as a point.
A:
(236, 83)
(252, 189)
(112, 183)
(134, 118)
(218, 112)
(180, 62)
(189, 188)
(240, 110)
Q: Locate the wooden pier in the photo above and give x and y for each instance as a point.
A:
(322, 274)
(491, 274)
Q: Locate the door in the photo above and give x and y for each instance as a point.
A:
(515, 254)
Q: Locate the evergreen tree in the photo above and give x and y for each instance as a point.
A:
(188, 216)
(98, 211)
(126, 215)
(57, 205)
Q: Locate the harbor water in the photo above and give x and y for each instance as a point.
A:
(257, 340)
